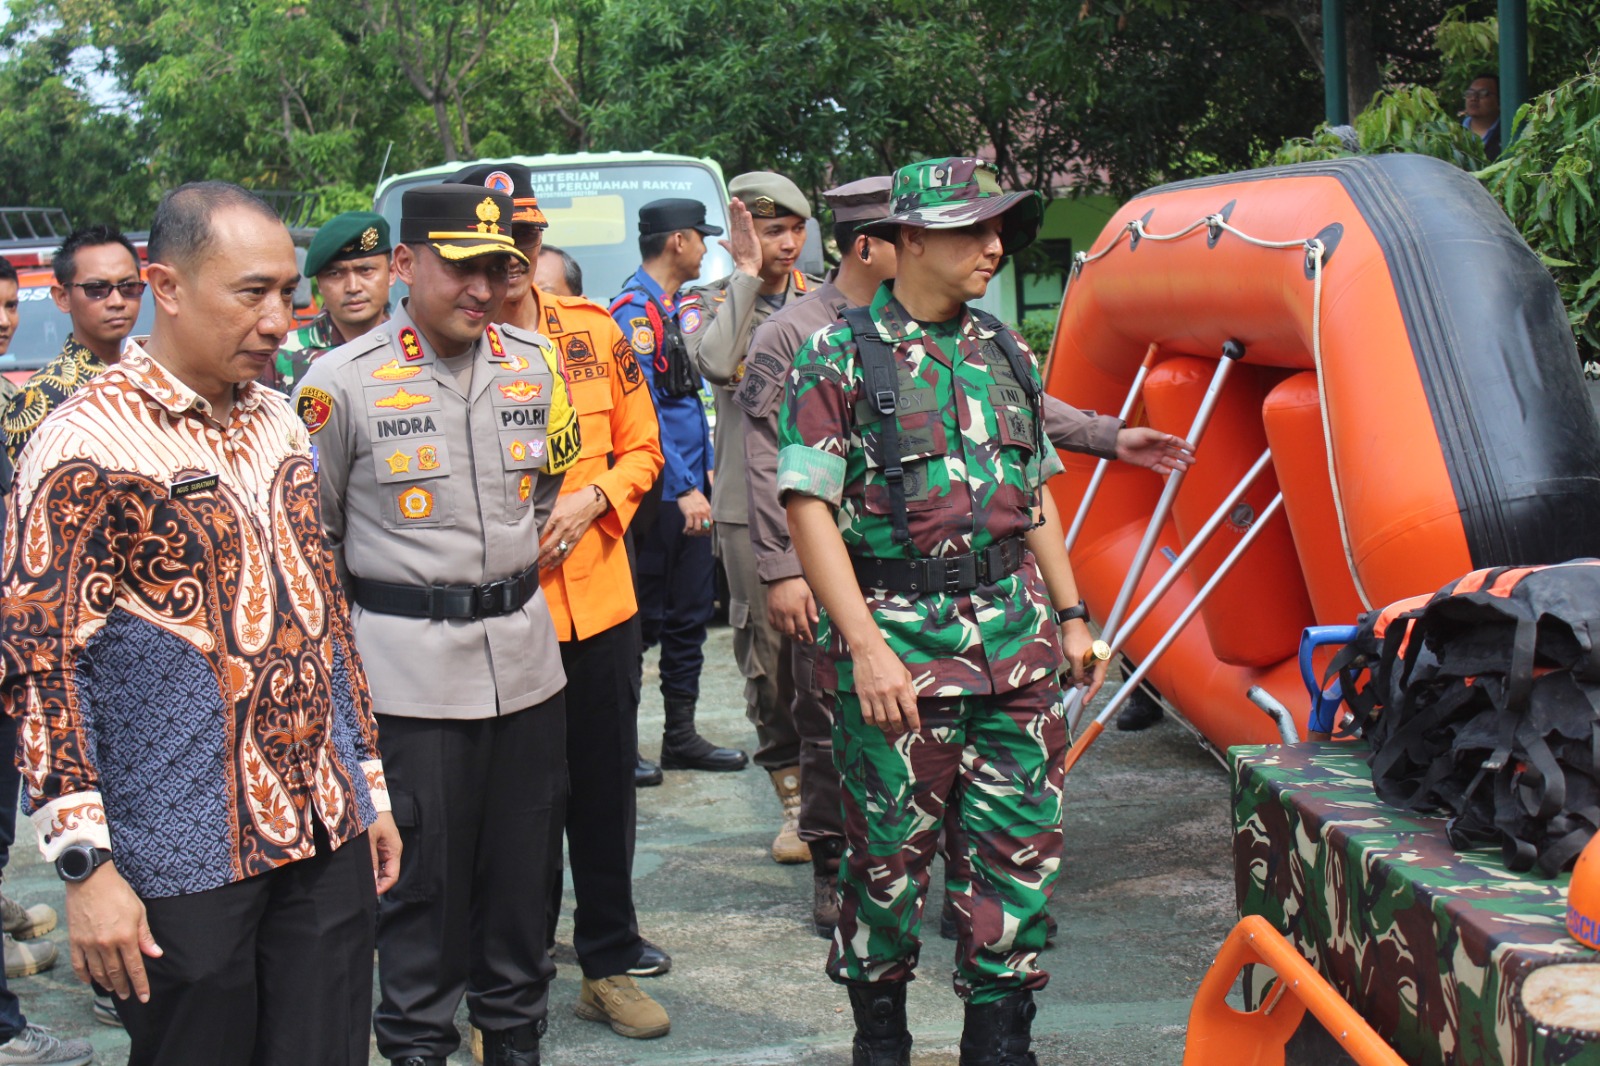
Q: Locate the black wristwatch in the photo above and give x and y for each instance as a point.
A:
(77, 861)
(1076, 611)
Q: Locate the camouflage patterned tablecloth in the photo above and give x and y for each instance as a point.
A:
(1429, 944)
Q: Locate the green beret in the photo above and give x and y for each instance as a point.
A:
(352, 235)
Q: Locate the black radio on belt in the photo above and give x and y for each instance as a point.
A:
(455, 602)
(946, 573)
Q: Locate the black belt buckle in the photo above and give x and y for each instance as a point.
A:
(949, 573)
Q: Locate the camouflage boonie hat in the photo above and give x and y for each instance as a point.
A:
(951, 193)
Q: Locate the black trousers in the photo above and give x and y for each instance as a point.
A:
(821, 806)
(676, 583)
(477, 802)
(602, 742)
(275, 970)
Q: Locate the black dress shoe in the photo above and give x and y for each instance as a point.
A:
(645, 773)
(653, 962)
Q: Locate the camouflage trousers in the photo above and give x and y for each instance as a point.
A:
(993, 763)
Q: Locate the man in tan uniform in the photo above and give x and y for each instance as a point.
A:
(767, 226)
(441, 442)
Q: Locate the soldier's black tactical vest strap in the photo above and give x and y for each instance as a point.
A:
(1023, 371)
(947, 573)
(883, 395)
(440, 602)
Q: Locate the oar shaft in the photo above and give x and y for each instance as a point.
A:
(1181, 563)
(1193, 607)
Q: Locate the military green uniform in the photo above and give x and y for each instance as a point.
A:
(303, 347)
(983, 661)
(983, 652)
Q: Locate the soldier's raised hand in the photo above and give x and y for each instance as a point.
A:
(743, 244)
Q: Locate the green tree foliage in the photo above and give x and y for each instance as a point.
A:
(1401, 120)
(1546, 182)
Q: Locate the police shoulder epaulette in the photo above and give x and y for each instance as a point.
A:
(526, 336)
(375, 340)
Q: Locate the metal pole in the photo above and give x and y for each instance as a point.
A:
(1100, 467)
(1098, 726)
(1513, 65)
(1232, 352)
(1181, 563)
(1335, 67)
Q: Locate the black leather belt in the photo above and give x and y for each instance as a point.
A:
(948, 573)
(439, 602)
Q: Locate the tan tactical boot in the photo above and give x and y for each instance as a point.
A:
(787, 847)
(25, 923)
(30, 958)
(620, 1002)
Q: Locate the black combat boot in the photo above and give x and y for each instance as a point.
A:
(684, 749)
(881, 1035)
(513, 1047)
(999, 1034)
(825, 885)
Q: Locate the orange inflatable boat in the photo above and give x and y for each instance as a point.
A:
(1405, 360)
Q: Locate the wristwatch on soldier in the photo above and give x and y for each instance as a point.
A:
(77, 861)
(1071, 614)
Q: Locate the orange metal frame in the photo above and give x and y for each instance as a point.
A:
(1221, 1035)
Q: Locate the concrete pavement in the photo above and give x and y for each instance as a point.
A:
(1145, 900)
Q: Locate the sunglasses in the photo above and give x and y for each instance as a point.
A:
(99, 290)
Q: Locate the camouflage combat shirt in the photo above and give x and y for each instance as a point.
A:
(973, 464)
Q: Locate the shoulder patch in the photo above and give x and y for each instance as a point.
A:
(690, 318)
(627, 366)
(314, 407)
(644, 339)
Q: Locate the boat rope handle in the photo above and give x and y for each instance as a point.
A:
(1315, 252)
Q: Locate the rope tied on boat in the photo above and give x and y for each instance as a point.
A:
(1315, 251)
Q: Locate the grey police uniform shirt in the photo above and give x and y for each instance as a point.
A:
(423, 484)
(730, 310)
(760, 393)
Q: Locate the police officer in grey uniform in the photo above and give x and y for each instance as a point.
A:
(767, 218)
(440, 442)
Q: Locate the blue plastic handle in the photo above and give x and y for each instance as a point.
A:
(1324, 703)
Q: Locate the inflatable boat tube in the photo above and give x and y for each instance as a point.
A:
(1406, 359)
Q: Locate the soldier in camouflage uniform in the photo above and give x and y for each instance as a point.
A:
(947, 607)
(349, 261)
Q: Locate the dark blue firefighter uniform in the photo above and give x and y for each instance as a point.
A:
(675, 572)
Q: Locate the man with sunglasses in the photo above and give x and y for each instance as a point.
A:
(98, 286)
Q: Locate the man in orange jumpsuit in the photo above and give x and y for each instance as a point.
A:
(589, 586)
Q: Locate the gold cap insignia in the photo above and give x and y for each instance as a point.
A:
(764, 207)
(369, 238)
(488, 216)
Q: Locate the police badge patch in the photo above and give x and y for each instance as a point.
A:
(314, 407)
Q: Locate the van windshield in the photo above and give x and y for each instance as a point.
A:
(593, 210)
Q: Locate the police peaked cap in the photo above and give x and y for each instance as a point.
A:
(458, 221)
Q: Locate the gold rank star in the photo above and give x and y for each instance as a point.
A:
(399, 463)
